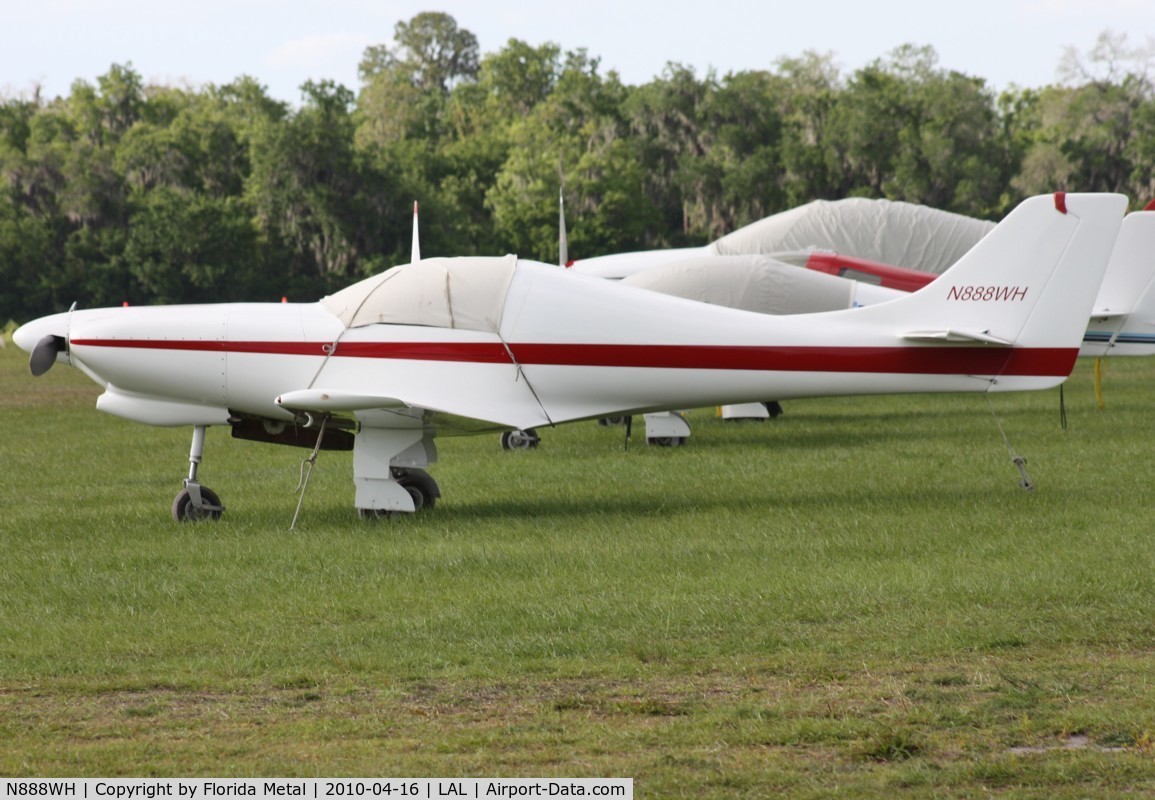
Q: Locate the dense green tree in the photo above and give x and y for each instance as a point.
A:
(404, 130)
(306, 185)
(28, 247)
(575, 144)
(479, 120)
(711, 149)
(123, 191)
(905, 130)
(737, 178)
(811, 86)
(191, 247)
(430, 50)
(405, 85)
(667, 119)
(1093, 131)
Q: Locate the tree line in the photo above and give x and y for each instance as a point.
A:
(127, 192)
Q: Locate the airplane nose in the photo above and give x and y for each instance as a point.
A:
(26, 336)
(43, 338)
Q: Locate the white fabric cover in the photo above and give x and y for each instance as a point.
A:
(890, 232)
(749, 282)
(467, 293)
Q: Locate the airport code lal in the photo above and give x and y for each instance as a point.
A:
(317, 788)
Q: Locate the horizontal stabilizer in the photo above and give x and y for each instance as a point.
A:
(331, 400)
(956, 336)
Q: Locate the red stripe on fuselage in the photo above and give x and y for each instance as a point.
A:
(930, 360)
(923, 360)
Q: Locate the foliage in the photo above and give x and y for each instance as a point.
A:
(127, 191)
(1092, 133)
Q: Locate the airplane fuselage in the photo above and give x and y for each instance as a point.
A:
(550, 362)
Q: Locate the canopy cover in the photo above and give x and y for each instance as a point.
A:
(467, 293)
(749, 282)
(889, 232)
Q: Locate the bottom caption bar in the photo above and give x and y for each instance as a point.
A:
(323, 788)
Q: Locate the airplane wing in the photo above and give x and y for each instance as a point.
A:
(335, 400)
(366, 408)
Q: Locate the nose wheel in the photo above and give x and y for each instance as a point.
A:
(187, 508)
(194, 502)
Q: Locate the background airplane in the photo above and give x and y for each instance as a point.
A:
(880, 231)
(464, 345)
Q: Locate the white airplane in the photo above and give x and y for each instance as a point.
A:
(473, 344)
(1123, 316)
(879, 231)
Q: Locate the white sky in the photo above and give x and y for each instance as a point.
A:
(283, 43)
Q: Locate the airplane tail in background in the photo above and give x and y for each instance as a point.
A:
(1030, 283)
(1123, 320)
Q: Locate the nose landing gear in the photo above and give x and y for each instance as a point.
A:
(195, 502)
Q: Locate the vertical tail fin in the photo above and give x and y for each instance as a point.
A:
(1030, 282)
(1123, 320)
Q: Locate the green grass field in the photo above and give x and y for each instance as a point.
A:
(856, 599)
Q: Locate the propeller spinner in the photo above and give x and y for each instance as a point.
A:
(44, 354)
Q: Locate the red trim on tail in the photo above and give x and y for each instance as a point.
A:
(1061, 202)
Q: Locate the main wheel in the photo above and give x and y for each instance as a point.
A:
(183, 509)
(666, 441)
(520, 440)
(420, 485)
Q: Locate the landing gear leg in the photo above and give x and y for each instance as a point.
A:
(387, 467)
(195, 502)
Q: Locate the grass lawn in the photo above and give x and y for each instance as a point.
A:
(855, 599)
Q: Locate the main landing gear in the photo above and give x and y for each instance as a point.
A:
(667, 429)
(195, 502)
(422, 489)
(520, 440)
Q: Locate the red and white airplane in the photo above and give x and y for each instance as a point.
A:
(455, 345)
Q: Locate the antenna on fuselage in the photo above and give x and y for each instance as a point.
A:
(562, 244)
(562, 241)
(415, 248)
